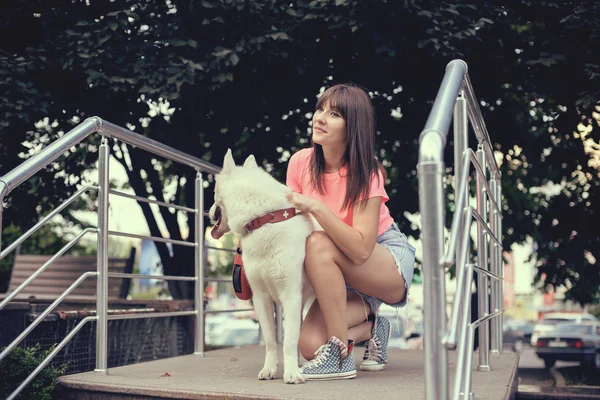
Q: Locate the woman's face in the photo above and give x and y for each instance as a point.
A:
(328, 127)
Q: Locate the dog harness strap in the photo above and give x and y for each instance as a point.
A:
(271, 218)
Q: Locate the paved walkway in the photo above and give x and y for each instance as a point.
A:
(231, 374)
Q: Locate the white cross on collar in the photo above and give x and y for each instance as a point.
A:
(285, 214)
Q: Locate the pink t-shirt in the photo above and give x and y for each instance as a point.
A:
(298, 179)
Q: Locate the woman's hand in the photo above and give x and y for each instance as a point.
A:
(303, 203)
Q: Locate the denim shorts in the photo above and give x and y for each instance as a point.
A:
(404, 255)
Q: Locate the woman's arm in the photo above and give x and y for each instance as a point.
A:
(356, 242)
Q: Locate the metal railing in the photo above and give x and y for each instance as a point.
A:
(456, 101)
(32, 165)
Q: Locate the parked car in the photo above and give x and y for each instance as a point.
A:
(571, 342)
(549, 320)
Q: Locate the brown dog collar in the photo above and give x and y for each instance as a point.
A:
(271, 218)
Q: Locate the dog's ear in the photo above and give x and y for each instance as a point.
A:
(228, 163)
(250, 162)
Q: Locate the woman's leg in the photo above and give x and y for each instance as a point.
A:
(313, 333)
(328, 270)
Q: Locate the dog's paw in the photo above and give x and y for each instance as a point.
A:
(293, 376)
(267, 373)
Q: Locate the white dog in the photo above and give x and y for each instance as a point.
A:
(273, 253)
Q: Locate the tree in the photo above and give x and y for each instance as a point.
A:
(219, 74)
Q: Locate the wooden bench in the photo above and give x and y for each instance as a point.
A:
(62, 273)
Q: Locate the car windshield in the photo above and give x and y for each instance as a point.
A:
(573, 329)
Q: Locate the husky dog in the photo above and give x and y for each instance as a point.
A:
(273, 253)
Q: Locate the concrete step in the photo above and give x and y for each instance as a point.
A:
(232, 374)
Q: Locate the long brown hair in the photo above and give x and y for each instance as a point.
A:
(354, 105)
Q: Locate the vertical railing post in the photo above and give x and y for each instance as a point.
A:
(431, 171)
(496, 329)
(500, 261)
(466, 389)
(462, 380)
(199, 268)
(102, 279)
(461, 143)
(482, 261)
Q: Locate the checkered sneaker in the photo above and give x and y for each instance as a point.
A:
(375, 357)
(328, 363)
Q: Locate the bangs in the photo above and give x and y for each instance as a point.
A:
(338, 98)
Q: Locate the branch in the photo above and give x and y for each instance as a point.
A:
(157, 190)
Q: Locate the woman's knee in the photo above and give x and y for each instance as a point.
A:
(318, 246)
(396, 294)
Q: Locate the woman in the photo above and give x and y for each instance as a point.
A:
(361, 259)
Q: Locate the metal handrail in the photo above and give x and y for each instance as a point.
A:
(488, 273)
(476, 119)
(144, 276)
(32, 165)
(48, 154)
(152, 315)
(461, 288)
(448, 259)
(50, 356)
(153, 238)
(469, 158)
(480, 173)
(44, 314)
(96, 124)
(221, 249)
(224, 280)
(482, 223)
(41, 269)
(152, 146)
(465, 281)
(228, 311)
(464, 389)
(150, 201)
(464, 352)
(456, 99)
(432, 142)
(42, 222)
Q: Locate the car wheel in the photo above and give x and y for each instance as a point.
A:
(549, 363)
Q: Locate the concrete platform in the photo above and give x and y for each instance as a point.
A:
(232, 374)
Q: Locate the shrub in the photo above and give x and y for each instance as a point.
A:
(15, 368)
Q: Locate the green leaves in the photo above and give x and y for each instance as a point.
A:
(19, 364)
